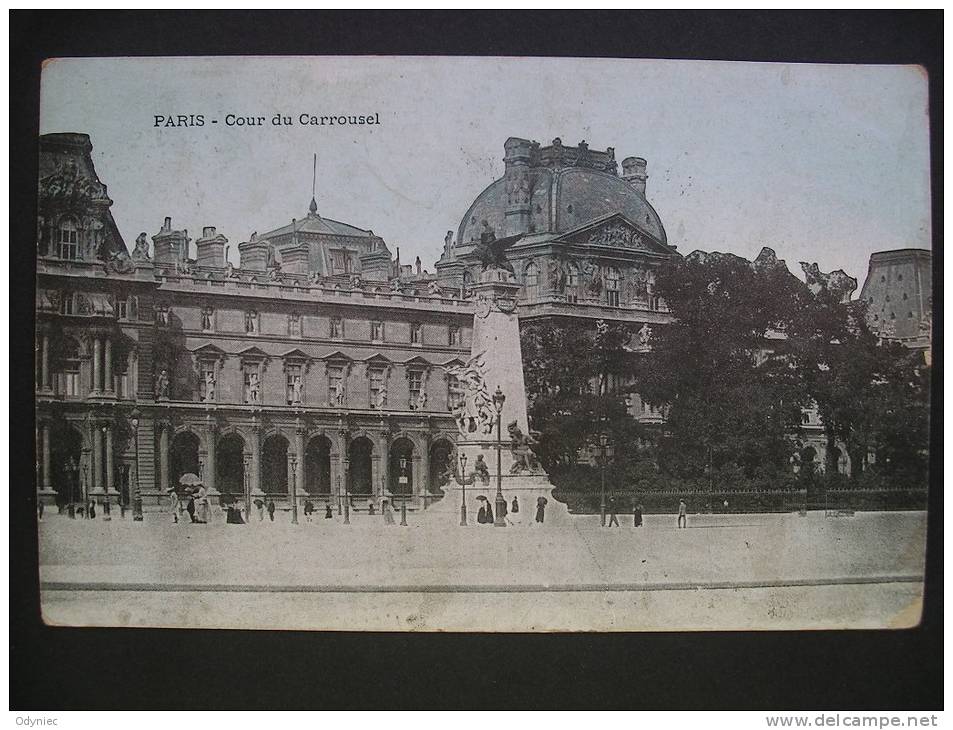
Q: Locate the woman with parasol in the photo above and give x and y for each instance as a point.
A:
(387, 512)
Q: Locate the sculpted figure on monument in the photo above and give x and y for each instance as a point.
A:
(296, 390)
(489, 252)
(162, 384)
(521, 446)
(209, 387)
(475, 412)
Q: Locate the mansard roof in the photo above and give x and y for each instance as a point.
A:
(314, 223)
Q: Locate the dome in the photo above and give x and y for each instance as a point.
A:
(567, 190)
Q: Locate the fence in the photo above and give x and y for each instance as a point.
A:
(741, 501)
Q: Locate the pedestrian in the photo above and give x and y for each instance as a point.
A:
(387, 512)
(481, 515)
(233, 516)
(173, 504)
(92, 509)
(106, 515)
(682, 514)
(327, 511)
(489, 513)
(371, 510)
(202, 508)
(190, 508)
(613, 520)
(39, 510)
(637, 516)
(308, 510)
(516, 505)
(271, 510)
(541, 509)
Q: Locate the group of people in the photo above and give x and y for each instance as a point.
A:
(681, 521)
(195, 504)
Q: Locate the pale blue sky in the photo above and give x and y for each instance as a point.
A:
(822, 163)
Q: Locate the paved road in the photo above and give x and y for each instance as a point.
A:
(725, 571)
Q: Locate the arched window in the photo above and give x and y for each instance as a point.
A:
(69, 239)
(613, 279)
(531, 280)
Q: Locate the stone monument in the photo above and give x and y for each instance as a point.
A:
(495, 368)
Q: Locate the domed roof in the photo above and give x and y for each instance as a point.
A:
(563, 199)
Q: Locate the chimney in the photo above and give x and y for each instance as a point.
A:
(170, 246)
(633, 172)
(210, 248)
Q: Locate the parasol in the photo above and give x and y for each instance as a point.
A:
(481, 498)
(189, 479)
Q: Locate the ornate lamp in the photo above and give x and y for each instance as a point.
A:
(498, 400)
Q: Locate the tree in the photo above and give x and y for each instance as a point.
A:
(722, 371)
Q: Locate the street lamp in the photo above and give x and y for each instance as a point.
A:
(72, 476)
(606, 450)
(403, 497)
(136, 496)
(463, 483)
(347, 498)
(294, 489)
(498, 399)
(85, 491)
(105, 472)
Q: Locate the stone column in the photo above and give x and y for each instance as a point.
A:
(255, 479)
(97, 359)
(96, 477)
(108, 365)
(163, 457)
(110, 486)
(45, 436)
(45, 362)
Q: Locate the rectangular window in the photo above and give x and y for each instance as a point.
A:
(335, 328)
(208, 319)
(69, 239)
(415, 380)
(66, 303)
(416, 333)
(294, 384)
(251, 322)
(71, 377)
(378, 394)
(294, 325)
(122, 308)
(123, 385)
(336, 385)
(453, 336)
(377, 331)
(454, 392)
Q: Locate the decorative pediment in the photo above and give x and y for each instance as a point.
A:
(615, 231)
(337, 356)
(419, 363)
(295, 354)
(253, 354)
(209, 351)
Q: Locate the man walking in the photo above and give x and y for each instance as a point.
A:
(613, 520)
(682, 514)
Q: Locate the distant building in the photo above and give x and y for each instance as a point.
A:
(898, 293)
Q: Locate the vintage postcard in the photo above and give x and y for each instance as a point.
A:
(482, 344)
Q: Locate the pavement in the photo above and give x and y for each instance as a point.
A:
(723, 571)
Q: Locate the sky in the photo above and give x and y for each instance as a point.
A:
(823, 163)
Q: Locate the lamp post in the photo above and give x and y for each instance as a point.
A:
(463, 483)
(136, 496)
(72, 478)
(606, 450)
(403, 497)
(347, 498)
(85, 491)
(499, 520)
(105, 471)
(294, 489)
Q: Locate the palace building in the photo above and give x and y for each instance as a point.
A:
(319, 364)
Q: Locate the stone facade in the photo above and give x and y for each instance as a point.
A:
(898, 292)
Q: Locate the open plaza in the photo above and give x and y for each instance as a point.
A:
(761, 571)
